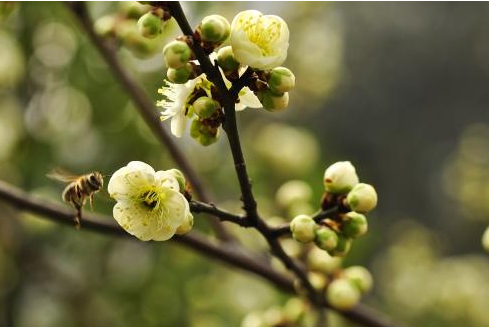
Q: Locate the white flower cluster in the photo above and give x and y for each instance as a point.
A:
(256, 41)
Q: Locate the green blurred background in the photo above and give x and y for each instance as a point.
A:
(400, 89)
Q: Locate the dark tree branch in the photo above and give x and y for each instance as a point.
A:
(228, 100)
(233, 256)
(200, 207)
(146, 109)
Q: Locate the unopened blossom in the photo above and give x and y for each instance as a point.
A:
(149, 203)
(259, 41)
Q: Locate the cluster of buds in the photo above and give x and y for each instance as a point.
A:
(190, 95)
(343, 287)
(334, 234)
(135, 26)
(292, 314)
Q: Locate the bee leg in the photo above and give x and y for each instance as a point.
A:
(78, 217)
(91, 201)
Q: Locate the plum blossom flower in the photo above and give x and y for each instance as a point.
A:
(259, 41)
(176, 103)
(149, 204)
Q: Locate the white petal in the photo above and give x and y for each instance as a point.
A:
(134, 219)
(248, 99)
(167, 179)
(127, 180)
(178, 124)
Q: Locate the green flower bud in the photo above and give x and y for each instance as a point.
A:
(105, 25)
(362, 198)
(292, 192)
(354, 225)
(215, 28)
(294, 309)
(342, 294)
(326, 238)
(133, 9)
(343, 246)
(208, 139)
(360, 277)
(186, 226)
(195, 128)
(303, 228)
(340, 177)
(273, 102)
(150, 25)
(176, 54)
(319, 260)
(317, 280)
(205, 107)
(281, 80)
(180, 75)
(485, 239)
(140, 46)
(226, 59)
(179, 177)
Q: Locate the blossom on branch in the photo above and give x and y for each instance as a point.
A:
(259, 41)
(149, 205)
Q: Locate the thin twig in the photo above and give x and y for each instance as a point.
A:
(146, 108)
(198, 207)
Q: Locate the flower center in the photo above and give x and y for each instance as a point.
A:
(262, 32)
(151, 199)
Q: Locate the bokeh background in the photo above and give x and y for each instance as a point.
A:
(400, 89)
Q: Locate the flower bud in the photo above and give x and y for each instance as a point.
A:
(354, 224)
(105, 25)
(176, 54)
(360, 277)
(343, 246)
(205, 107)
(485, 239)
(215, 28)
(317, 280)
(226, 59)
(292, 192)
(180, 75)
(281, 80)
(133, 9)
(294, 309)
(342, 294)
(362, 198)
(319, 260)
(186, 226)
(208, 139)
(326, 238)
(179, 177)
(150, 25)
(340, 177)
(303, 228)
(273, 102)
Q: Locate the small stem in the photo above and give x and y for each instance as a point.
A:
(198, 207)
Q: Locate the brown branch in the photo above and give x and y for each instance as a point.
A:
(200, 207)
(146, 109)
(233, 256)
(103, 224)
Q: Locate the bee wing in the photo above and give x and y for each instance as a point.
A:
(59, 174)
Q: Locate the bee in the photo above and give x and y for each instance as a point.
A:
(79, 189)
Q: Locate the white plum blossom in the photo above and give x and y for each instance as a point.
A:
(149, 204)
(177, 96)
(259, 41)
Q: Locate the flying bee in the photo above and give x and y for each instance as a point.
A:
(79, 188)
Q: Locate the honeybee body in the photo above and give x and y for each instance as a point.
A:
(79, 189)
